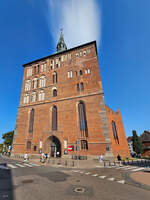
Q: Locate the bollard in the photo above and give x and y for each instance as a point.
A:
(59, 162)
(104, 164)
(65, 162)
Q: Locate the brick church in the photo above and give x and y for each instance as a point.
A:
(62, 105)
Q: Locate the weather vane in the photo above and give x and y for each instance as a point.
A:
(61, 29)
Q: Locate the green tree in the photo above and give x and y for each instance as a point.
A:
(1, 147)
(137, 143)
(8, 138)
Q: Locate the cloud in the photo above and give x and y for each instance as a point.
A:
(80, 20)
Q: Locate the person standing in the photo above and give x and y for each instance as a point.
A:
(101, 158)
(25, 157)
(119, 157)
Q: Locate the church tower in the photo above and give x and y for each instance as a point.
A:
(61, 46)
(62, 107)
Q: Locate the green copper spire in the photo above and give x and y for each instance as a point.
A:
(61, 46)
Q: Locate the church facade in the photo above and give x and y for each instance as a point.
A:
(62, 107)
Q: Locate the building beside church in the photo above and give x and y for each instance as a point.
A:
(145, 138)
(62, 104)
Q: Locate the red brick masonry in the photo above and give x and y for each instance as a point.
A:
(99, 117)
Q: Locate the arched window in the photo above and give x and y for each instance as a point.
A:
(31, 121)
(115, 131)
(82, 118)
(82, 86)
(84, 145)
(81, 72)
(28, 145)
(78, 88)
(54, 92)
(55, 77)
(54, 118)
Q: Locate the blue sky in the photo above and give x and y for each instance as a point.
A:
(29, 29)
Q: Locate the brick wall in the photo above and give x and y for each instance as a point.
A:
(119, 146)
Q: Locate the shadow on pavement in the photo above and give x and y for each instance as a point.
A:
(6, 185)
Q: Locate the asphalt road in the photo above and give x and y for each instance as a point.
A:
(49, 183)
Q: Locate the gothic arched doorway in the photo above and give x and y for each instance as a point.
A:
(53, 146)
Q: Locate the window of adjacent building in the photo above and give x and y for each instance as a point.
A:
(84, 145)
(82, 86)
(54, 92)
(41, 95)
(55, 77)
(81, 73)
(115, 131)
(27, 85)
(42, 81)
(78, 88)
(33, 96)
(70, 74)
(82, 117)
(29, 71)
(28, 145)
(54, 118)
(84, 53)
(31, 121)
(26, 98)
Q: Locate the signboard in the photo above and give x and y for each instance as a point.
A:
(69, 148)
